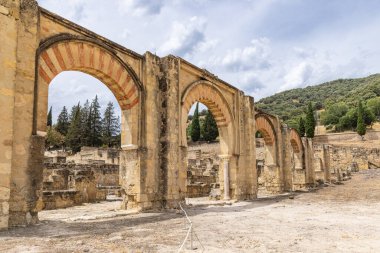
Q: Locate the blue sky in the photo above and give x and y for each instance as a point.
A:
(259, 46)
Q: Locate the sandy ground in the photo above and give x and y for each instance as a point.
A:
(341, 218)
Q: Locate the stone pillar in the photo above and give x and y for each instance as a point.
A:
(309, 156)
(225, 160)
(9, 15)
(326, 162)
(287, 159)
(26, 147)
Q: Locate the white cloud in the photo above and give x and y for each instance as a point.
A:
(184, 39)
(254, 56)
(297, 77)
(141, 7)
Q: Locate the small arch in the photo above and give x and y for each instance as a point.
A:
(295, 141)
(210, 95)
(265, 126)
(207, 93)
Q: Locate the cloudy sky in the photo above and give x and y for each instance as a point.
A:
(259, 46)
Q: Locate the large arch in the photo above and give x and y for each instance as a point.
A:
(67, 52)
(208, 94)
(270, 173)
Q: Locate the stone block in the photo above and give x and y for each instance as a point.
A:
(4, 193)
(4, 10)
(3, 222)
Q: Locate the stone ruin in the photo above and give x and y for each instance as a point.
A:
(203, 171)
(68, 182)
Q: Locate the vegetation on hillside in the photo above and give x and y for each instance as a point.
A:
(338, 99)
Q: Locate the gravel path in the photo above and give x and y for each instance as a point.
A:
(342, 218)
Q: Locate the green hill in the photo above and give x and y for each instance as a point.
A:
(291, 104)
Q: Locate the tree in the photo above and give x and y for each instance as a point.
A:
(110, 125)
(361, 127)
(195, 132)
(301, 127)
(95, 124)
(333, 113)
(50, 118)
(310, 122)
(54, 138)
(85, 124)
(374, 105)
(210, 129)
(63, 122)
(73, 138)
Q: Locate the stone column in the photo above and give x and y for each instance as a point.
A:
(226, 175)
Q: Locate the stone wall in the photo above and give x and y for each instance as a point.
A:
(343, 159)
(90, 155)
(202, 169)
(345, 137)
(68, 184)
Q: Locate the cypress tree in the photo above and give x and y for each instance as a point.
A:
(210, 129)
(63, 122)
(195, 132)
(301, 127)
(73, 138)
(50, 117)
(110, 125)
(85, 124)
(310, 122)
(95, 123)
(361, 127)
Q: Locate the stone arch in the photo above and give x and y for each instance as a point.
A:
(297, 160)
(295, 141)
(67, 52)
(265, 126)
(208, 94)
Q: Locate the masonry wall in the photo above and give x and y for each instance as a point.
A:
(67, 185)
(343, 159)
(8, 61)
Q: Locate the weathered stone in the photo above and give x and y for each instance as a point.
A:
(4, 10)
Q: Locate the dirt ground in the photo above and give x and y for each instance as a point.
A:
(337, 218)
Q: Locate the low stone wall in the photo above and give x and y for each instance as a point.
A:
(66, 185)
(198, 190)
(344, 158)
(345, 137)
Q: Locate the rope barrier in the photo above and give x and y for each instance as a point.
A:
(190, 232)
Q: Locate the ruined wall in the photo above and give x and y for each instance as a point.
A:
(89, 155)
(334, 138)
(343, 159)
(66, 185)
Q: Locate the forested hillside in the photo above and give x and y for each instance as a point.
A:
(290, 105)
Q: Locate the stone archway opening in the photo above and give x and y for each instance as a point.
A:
(208, 162)
(53, 57)
(265, 160)
(203, 155)
(297, 161)
(268, 171)
(83, 139)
